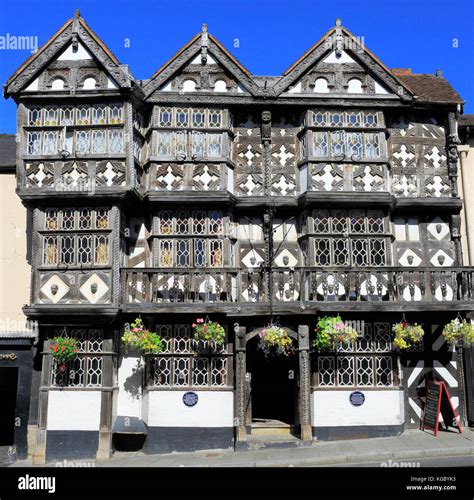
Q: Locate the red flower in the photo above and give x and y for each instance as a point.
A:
(63, 348)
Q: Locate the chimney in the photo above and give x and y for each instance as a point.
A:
(402, 71)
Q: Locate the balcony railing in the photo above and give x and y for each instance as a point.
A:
(308, 284)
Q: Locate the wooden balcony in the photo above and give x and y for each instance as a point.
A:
(298, 289)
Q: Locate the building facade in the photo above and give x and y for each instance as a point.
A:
(206, 191)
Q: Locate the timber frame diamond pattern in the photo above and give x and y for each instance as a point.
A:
(209, 192)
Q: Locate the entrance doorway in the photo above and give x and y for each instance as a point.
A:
(272, 385)
(8, 391)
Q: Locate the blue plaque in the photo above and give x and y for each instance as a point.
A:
(357, 398)
(190, 398)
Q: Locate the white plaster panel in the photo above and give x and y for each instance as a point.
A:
(79, 55)
(129, 395)
(213, 409)
(333, 408)
(73, 411)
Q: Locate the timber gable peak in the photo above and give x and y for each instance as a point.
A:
(336, 57)
(200, 58)
(74, 40)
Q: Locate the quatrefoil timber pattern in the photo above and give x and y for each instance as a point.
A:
(418, 157)
(39, 174)
(110, 173)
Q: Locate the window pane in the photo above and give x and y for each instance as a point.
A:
(321, 221)
(400, 231)
(166, 253)
(181, 148)
(51, 219)
(182, 253)
(322, 252)
(82, 141)
(199, 118)
(163, 144)
(339, 221)
(200, 253)
(83, 115)
(182, 223)
(336, 119)
(199, 222)
(101, 249)
(115, 114)
(215, 118)
(354, 144)
(372, 146)
(337, 143)
(215, 223)
(67, 115)
(115, 141)
(165, 117)
(67, 250)
(50, 254)
(51, 116)
(320, 118)
(377, 252)
(34, 116)
(34, 143)
(102, 218)
(85, 218)
(357, 221)
(99, 115)
(98, 141)
(165, 223)
(84, 243)
(359, 252)
(320, 143)
(341, 253)
(198, 143)
(182, 117)
(215, 253)
(50, 143)
(67, 218)
(214, 145)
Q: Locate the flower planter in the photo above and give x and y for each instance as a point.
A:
(275, 341)
(407, 335)
(209, 331)
(459, 333)
(333, 333)
(138, 339)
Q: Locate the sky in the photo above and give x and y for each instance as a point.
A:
(266, 36)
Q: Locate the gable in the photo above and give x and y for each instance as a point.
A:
(202, 65)
(340, 64)
(339, 74)
(75, 68)
(73, 58)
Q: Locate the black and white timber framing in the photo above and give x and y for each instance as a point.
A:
(208, 191)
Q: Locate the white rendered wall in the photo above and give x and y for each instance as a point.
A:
(333, 408)
(213, 409)
(73, 410)
(130, 386)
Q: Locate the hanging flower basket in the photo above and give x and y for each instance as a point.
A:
(210, 331)
(63, 350)
(138, 337)
(459, 333)
(275, 340)
(332, 332)
(407, 335)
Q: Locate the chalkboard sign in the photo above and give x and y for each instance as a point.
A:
(190, 398)
(438, 401)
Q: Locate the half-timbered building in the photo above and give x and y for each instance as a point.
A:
(207, 191)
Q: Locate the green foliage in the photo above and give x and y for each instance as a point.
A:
(137, 336)
(209, 331)
(63, 349)
(275, 340)
(407, 335)
(459, 333)
(331, 331)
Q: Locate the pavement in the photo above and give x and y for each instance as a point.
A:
(396, 451)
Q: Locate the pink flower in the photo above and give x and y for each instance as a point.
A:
(194, 325)
(199, 320)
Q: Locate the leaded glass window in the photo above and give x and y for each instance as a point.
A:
(34, 116)
(115, 141)
(67, 115)
(51, 116)
(354, 144)
(98, 141)
(82, 141)
(214, 145)
(199, 118)
(181, 146)
(34, 143)
(337, 143)
(372, 145)
(182, 117)
(115, 114)
(320, 144)
(215, 118)
(320, 118)
(198, 143)
(83, 115)
(99, 115)
(164, 143)
(165, 117)
(182, 253)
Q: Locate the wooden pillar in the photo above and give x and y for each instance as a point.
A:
(104, 450)
(305, 383)
(240, 369)
(39, 457)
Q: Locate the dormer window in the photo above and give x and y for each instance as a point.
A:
(321, 86)
(354, 86)
(57, 84)
(89, 83)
